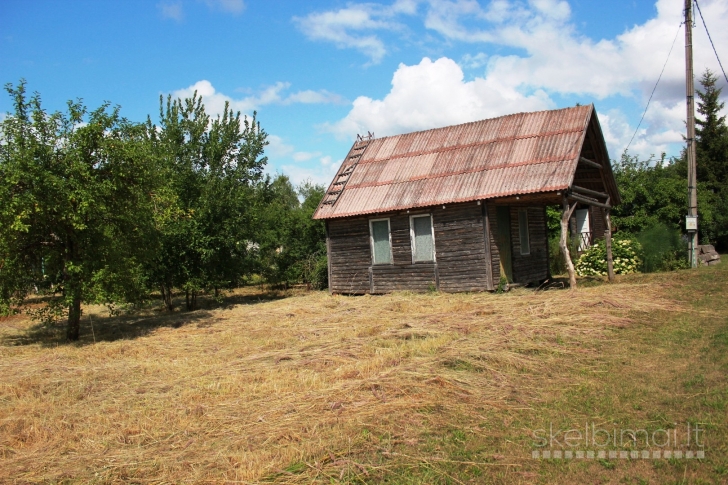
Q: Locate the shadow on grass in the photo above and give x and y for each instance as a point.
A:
(135, 324)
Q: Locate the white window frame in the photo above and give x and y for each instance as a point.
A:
(371, 240)
(412, 237)
(524, 211)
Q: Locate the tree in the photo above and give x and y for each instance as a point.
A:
(212, 169)
(655, 192)
(75, 206)
(291, 242)
(711, 134)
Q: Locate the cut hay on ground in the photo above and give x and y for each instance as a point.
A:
(294, 389)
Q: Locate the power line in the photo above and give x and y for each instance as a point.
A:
(654, 89)
(711, 40)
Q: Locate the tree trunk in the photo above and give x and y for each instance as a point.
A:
(565, 216)
(608, 243)
(72, 292)
(167, 297)
(191, 299)
(74, 316)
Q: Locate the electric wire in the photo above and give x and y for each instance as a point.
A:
(654, 89)
(711, 40)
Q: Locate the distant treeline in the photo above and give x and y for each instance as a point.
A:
(96, 208)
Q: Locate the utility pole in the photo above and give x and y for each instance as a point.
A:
(691, 221)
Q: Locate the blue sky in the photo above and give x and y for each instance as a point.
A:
(319, 72)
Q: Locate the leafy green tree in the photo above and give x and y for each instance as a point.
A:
(655, 192)
(75, 206)
(213, 167)
(292, 244)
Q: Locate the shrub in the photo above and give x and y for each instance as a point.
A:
(626, 255)
(663, 248)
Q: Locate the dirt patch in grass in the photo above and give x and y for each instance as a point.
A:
(404, 388)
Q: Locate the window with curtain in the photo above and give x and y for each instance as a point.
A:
(523, 231)
(423, 245)
(381, 248)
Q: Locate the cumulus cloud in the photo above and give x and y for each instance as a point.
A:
(433, 94)
(554, 59)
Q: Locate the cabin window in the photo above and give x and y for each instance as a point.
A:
(423, 239)
(381, 241)
(523, 231)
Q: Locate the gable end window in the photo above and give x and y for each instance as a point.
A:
(381, 241)
(423, 238)
(523, 231)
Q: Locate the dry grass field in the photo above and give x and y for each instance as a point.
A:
(403, 388)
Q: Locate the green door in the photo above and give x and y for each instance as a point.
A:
(503, 240)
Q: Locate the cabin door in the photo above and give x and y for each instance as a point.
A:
(503, 240)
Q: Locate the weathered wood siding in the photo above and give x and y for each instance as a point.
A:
(349, 255)
(460, 252)
(598, 225)
(494, 253)
(532, 267)
(460, 246)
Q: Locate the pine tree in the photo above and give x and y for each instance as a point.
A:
(711, 134)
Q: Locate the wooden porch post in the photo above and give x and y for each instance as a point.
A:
(608, 243)
(565, 216)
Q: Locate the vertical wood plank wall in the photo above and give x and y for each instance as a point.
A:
(494, 253)
(534, 266)
(459, 245)
(349, 255)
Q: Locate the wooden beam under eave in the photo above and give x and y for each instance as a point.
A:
(591, 163)
(589, 201)
(593, 193)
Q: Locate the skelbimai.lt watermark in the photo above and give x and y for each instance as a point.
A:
(594, 441)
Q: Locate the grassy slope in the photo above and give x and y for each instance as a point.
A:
(400, 388)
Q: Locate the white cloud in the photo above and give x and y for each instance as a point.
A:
(555, 59)
(355, 26)
(305, 156)
(214, 100)
(476, 61)
(172, 11)
(321, 173)
(434, 94)
(277, 148)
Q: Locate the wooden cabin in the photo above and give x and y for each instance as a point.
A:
(456, 208)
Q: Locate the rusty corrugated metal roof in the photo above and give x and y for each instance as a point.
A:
(517, 154)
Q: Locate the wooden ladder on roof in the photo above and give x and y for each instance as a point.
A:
(347, 168)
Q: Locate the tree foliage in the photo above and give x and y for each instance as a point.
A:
(212, 169)
(94, 208)
(711, 135)
(75, 206)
